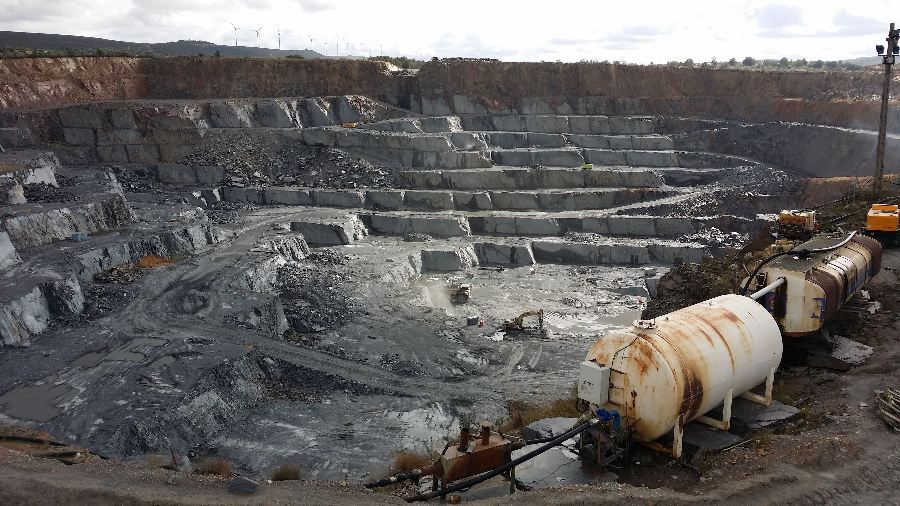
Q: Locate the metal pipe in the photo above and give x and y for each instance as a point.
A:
(766, 289)
(463, 440)
(802, 253)
(505, 467)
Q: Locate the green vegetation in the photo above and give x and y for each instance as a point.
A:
(750, 63)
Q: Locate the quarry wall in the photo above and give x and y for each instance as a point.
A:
(846, 99)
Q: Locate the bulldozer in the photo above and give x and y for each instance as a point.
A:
(517, 325)
(459, 294)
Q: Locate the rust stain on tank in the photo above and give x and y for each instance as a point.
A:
(692, 387)
(715, 328)
(693, 394)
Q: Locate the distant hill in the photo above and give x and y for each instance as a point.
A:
(86, 45)
(865, 60)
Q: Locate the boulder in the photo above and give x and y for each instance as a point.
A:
(242, 486)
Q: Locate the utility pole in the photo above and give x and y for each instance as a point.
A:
(888, 58)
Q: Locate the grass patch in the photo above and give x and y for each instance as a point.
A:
(409, 460)
(523, 413)
(214, 466)
(287, 472)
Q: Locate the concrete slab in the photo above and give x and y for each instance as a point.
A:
(747, 416)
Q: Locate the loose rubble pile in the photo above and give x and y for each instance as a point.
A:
(715, 237)
(259, 157)
(313, 297)
(120, 274)
(689, 284)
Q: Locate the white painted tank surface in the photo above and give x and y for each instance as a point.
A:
(686, 362)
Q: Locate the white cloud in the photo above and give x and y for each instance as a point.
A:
(568, 30)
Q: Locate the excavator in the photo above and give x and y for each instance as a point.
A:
(517, 324)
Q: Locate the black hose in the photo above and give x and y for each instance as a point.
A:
(505, 467)
(397, 478)
(801, 253)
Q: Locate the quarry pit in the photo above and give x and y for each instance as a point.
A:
(250, 259)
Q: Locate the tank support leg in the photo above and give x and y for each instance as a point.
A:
(677, 434)
(725, 422)
(765, 399)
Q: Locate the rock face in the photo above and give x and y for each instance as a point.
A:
(188, 174)
(330, 232)
(56, 224)
(177, 241)
(490, 253)
(437, 226)
(31, 311)
(448, 260)
(8, 255)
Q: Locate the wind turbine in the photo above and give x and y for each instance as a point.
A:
(257, 35)
(279, 39)
(235, 32)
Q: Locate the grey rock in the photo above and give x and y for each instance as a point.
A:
(242, 486)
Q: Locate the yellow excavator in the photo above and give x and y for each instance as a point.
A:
(517, 324)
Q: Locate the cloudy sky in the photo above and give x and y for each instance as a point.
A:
(635, 31)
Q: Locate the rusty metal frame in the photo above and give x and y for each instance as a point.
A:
(677, 441)
(766, 398)
(725, 422)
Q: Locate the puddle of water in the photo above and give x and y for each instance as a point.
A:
(38, 402)
(345, 438)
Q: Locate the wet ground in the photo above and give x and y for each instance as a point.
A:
(181, 362)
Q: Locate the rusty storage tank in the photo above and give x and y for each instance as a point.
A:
(818, 284)
(668, 371)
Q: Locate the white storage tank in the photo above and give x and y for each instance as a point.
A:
(671, 370)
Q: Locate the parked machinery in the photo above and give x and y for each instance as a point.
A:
(651, 379)
(459, 294)
(654, 377)
(517, 325)
(662, 373)
(883, 223)
(796, 224)
(820, 276)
